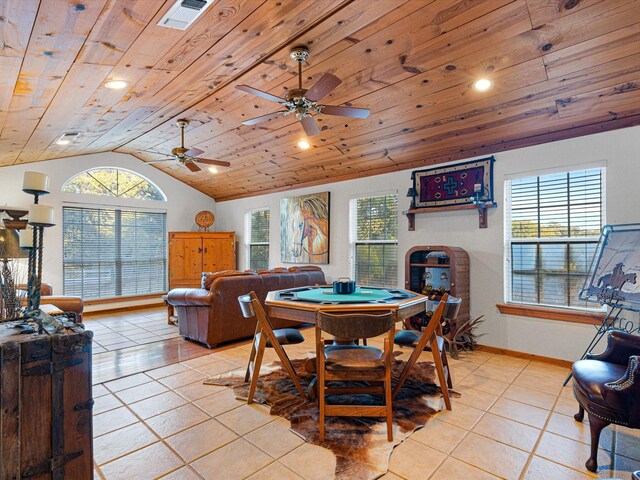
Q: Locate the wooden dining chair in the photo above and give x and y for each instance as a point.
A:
(447, 309)
(354, 363)
(266, 336)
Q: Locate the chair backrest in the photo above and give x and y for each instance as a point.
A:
(355, 325)
(451, 308)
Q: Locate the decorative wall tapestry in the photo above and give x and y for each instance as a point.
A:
(304, 229)
(454, 184)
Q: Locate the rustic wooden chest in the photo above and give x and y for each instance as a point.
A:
(45, 405)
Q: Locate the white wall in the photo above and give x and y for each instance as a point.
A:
(619, 151)
(183, 202)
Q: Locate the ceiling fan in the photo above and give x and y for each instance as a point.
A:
(302, 102)
(187, 157)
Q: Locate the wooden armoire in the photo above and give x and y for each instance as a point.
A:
(191, 253)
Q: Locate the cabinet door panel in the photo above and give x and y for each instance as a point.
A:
(219, 254)
(185, 262)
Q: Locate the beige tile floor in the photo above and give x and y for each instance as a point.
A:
(512, 421)
(128, 329)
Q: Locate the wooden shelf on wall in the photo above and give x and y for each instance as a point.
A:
(482, 212)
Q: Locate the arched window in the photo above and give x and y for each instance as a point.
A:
(113, 182)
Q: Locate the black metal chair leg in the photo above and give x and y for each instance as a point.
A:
(580, 415)
(596, 425)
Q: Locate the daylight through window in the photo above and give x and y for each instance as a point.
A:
(257, 239)
(111, 252)
(553, 224)
(113, 182)
(374, 240)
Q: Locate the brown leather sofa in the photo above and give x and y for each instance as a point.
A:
(65, 303)
(212, 315)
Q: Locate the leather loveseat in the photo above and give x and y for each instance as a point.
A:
(212, 315)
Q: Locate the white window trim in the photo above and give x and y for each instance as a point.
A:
(507, 229)
(247, 234)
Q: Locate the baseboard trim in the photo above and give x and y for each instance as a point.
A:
(526, 356)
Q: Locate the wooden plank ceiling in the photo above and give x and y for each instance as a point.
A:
(561, 68)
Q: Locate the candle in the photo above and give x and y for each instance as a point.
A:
(41, 215)
(26, 239)
(35, 182)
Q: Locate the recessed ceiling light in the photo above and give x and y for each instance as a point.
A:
(116, 84)
(213, 169)
(303, 144)
(483, 84)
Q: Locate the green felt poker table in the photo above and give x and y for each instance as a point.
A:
(301, 304)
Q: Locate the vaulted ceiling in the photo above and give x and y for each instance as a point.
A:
(561, 68)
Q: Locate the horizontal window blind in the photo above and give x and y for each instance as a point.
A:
(113, 252)
(257, 233)
(554, 223)
(374, 240)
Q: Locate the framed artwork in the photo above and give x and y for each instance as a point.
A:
(454, 184)
(304, 229)
(615, 269)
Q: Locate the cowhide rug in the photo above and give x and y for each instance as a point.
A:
(359, 443)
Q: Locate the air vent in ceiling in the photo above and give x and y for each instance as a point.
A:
(184, 13)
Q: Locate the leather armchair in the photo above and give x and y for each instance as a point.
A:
(66, 303)
(607, 386)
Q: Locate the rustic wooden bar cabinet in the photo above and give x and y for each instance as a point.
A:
(45, 405)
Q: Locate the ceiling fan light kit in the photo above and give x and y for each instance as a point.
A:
(302, 102)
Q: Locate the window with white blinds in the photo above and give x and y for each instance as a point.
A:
(109, 252)
(257, 239)
(374, 240)
(553, 225)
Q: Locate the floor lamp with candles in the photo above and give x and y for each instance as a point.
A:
(40, 217)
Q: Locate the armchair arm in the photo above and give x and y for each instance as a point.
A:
(66, 303)
(190, 297)
(620, 346)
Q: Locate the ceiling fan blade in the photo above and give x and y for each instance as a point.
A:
(163, 160)
(154, 152)
(260, 93)
(323, 87)
(193, 152)
(310, 126)
(346, 111)
(220, 163)
(263, 118)
(192, 166)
